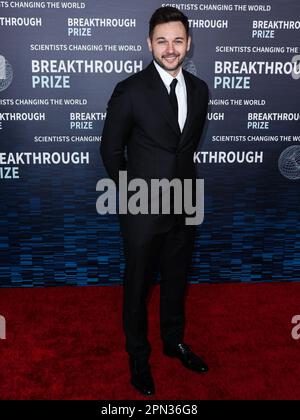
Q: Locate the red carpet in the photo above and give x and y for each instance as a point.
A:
(67, 343)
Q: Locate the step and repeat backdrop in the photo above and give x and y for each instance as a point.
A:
(59, 62)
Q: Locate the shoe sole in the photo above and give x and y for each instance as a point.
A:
(136, 387)
(186, 366)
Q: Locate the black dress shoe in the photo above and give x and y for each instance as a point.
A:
(141, 377)
(189, 359)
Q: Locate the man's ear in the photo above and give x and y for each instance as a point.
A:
(149, 44)
(189, 43)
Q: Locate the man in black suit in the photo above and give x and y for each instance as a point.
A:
(157, 117)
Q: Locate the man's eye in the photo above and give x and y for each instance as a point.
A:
(178, 42)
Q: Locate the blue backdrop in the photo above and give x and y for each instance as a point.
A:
(59, 62)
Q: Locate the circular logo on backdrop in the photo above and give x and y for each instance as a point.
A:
(6, 73)
(189, 66)
(296, 73)
(289, 162)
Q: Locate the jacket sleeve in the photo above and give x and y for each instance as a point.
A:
(205, 99)
(116, 131)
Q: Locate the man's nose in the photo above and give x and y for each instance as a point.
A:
(170, 48)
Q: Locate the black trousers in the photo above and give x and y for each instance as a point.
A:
(169, 253)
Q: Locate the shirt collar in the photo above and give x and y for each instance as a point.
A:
(166, 77)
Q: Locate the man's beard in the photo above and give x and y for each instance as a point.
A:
(161, 64)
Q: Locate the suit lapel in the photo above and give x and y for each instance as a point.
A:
(191, 107)
(160, 99)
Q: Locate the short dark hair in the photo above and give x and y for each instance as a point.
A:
(167, 14)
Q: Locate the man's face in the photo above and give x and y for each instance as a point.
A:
(169, 45)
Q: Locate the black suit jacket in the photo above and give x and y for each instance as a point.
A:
(140, 120)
